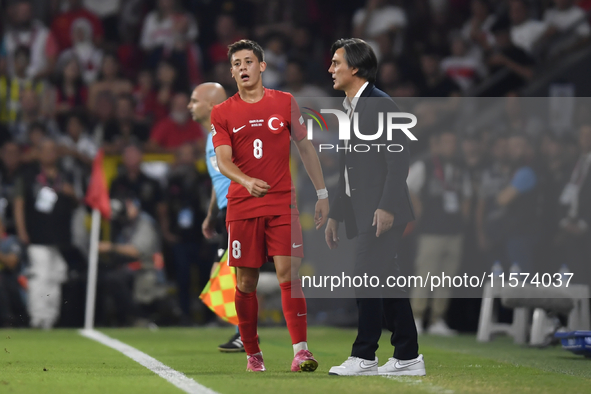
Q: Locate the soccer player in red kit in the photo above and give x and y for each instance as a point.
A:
(252, 134)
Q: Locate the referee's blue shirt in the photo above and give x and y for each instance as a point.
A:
(219, 181)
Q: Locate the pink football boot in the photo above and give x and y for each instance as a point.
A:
(304, 361)
(255, 363)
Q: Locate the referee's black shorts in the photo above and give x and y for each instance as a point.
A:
(223, 231)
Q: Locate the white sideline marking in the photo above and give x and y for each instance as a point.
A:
(177, 378)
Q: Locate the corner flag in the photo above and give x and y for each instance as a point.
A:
(97, 196)
(220, 291)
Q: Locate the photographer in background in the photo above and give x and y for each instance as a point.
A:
(43, 206)
(132, 277)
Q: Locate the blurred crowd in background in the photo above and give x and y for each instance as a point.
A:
(80, 75)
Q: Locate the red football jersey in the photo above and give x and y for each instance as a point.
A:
(260, 136)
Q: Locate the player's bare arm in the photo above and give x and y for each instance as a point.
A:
(256, 187)
(207, 227)
(314, 170)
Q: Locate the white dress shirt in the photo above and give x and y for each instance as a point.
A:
(350, 105)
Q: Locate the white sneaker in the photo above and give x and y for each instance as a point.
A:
(419, 324)
(441, 329)
(395, 367)
(355, 366)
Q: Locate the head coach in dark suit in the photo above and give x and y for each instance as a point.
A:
(374, 202)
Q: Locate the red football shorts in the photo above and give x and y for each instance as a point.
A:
(252, 241)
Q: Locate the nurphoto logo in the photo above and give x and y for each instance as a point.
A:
(344, 122)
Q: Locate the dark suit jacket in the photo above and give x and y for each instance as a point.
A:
(376, 179)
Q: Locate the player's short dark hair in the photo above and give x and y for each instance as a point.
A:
(360, 55)
(248, 45)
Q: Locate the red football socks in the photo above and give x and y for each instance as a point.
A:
(247, 308)
(294, 310)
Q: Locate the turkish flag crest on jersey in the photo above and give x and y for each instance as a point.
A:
(276, 124)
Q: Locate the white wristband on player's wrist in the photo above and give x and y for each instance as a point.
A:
(322, 193)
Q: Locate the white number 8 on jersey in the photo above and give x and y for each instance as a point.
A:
(236, 251)
(258, 148)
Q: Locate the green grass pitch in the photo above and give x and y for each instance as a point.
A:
(63, 362)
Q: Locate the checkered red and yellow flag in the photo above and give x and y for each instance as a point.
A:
(219, 292)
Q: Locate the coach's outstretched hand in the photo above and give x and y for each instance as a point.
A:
(256, 187)
(321, 212)
(331, 233)
(383, 221)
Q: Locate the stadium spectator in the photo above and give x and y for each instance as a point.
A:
(463, 68)
(565, 16)
(102, 116)
(440, 193)
(474, 163)
(305, 46)
(132, 182)
(575, 201)
(177, 129)
(10, 166)
(509, 66)
(131, 18)
(554, 168)
(13, 312)
(393, 80)
(477, 28)
(276, 59)
(147, 110)
(168, 82)
(185, 197)
(567, 26)
(63, 24)
(131, 276)
(77, 150)
(43, 206)
(109, 80)
(31, 112)
(488, 213)
(376, 23)
(11, 88)
(70, 91)
(124, 129)
(435, 82)
(37, 132)
(108, 12)
(226, 33)
(525, 31)
(307, 94)
(88, 55)
(25, 31)
(296, 81)
(165, 27)
(517, 203)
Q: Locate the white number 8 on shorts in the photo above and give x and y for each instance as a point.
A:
(236, 252)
